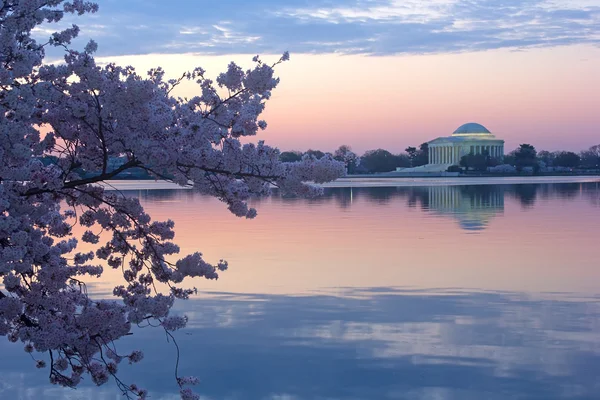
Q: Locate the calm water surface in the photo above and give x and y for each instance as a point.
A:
(438, 292)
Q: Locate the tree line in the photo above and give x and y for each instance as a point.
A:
(524, 158)
(372, 161)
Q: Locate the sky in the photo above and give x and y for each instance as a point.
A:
(382, 73)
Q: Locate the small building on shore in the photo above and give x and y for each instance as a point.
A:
(470, 138)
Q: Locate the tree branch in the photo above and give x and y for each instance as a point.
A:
(86, 181)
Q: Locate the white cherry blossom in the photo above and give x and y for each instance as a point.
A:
(90, 114)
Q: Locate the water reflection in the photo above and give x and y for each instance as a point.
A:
(277, 329)
(473, 206)
(391, 343)
(525, 236)
(370, 343)
(526, 194)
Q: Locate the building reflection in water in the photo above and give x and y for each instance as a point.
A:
(472, 206)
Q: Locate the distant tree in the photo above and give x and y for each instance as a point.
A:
(411, 152)
(567, 159)
(502, 169)
(290, 156)
(360, 168)
(591, 158)
(402, 160)
(546, 157)
(510, 158)
(422, 157)
(477, 162)
(341, 152)
(465, 161)
(526, 156)
(318, 154)
(418, 156)
(345, 154)
(381, 160)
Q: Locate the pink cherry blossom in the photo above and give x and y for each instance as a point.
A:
(93, 114)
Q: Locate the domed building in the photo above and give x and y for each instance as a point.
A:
(468, 138)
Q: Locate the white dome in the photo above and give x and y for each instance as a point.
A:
(472, 128)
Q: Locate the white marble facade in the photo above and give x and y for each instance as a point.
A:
(468, 138)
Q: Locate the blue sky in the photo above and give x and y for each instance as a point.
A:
(380, 27)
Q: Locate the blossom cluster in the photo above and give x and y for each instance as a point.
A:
(90, 114)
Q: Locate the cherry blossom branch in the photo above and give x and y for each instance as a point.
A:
(96, 114)
(85, 181)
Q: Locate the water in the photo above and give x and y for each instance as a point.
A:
(408, 292)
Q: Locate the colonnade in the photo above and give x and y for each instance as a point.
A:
(441, 154)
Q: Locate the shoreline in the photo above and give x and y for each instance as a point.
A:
(457, 181)
(387, 181)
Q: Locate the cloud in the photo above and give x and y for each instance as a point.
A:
(368, 343)
(379, 27)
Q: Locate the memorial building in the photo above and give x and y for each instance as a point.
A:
(470, 138)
